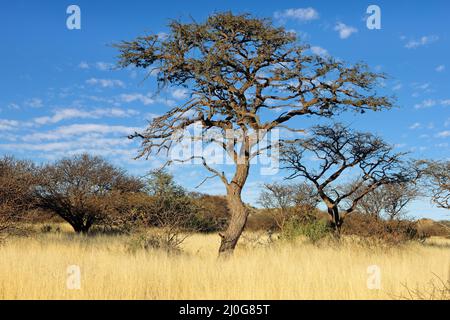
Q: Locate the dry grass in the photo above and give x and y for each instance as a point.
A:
(35, 268)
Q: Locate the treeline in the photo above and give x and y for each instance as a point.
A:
(89, 193)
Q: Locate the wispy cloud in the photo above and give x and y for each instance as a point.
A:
(299, 14)
(344, 30)
(72, 113)
(132, 97)
(8, 124)
(101, 65)
(34, 103)
(397, 87)
(443, 134)
(83, 65)
(428, 103)
(71, 131)
(422, 41)
(319, 51)
(180, 94)
(106, 83)
(414, 126)
(149, 99)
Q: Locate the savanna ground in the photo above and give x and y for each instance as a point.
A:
(36, 268)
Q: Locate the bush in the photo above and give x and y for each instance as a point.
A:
(161, 239)
(314, 229)
(391, 232)
(427, 227)
(46, 228)
(260, 220)
(211, 213)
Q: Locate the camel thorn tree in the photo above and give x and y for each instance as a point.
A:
(337, 153)
(246, 76)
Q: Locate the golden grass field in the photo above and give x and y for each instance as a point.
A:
(36, 268)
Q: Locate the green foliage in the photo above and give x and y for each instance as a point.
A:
(160, 183)
(201, 223)
(314, 230)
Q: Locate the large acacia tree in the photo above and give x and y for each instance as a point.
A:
(247, 76)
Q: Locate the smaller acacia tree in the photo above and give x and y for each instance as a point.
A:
(17, 179)
(389, 201)
(436, 178)
(396, 199)
(170, 209)
(79, 189)
(372, 204)
(335, 151)
(284, 201)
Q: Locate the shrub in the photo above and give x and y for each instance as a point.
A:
(46, 228)
(211, 213)
(391, 232)
(161, 239)
(314, 229)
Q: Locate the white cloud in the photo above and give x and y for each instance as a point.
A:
(83, 65)
(443, 134)
(8, 124)
(426, 104)
(416, 125)
(105, 83)
(146, 99)
(73, 130)
(319, 51)
(440, 68)
(34, 103)
(132, 97)
(397, 87)
(103, 66)
(71, 113)
(431, 103)
(299, 14)
(59, 149)
(442, 145)
(424, 86)
(344, 30)
(422, 41)
(180, 94)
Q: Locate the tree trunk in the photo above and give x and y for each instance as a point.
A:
(239, 212)
(81, 228)
(335, 219)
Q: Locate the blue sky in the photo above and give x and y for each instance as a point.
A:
(61, 96)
